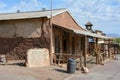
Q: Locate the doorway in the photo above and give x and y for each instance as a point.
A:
(65, 42)
(57, 44)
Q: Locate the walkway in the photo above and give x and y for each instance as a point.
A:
(109, 71)
(12, 76)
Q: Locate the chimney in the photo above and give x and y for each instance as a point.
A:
(89, 26)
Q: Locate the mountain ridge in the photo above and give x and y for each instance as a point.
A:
(113, 35)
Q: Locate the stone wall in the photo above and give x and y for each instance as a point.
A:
(16, 48)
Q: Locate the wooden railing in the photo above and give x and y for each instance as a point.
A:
(62, 58)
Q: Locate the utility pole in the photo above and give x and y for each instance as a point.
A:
(51, 39)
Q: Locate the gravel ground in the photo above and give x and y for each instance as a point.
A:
(44, 73)
(109, 71)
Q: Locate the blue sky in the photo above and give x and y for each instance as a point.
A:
(104, 14)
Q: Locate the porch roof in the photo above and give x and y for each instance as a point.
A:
(91, 34)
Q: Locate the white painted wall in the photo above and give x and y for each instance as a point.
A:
(7, 30)
(21, 28)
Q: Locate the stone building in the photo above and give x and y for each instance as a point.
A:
(61, 34)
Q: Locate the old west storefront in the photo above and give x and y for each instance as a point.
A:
(66, 44)
(72, 41)
(74, 44)
(23, 32)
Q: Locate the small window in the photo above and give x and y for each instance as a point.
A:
(91, 39)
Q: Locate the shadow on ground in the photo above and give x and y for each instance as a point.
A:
(17, 64)
(61, 70)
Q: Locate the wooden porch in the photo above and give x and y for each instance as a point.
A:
(67, 45)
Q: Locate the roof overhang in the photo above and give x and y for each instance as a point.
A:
(32, 14)
(91, 34)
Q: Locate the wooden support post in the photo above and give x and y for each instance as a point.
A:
(85, 50)
(96, 50)
(61, 44)
(104, 47)
(109, 48)
(81, 53)
(70, 37)
(114, 51)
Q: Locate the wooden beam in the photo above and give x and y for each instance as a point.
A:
(104, 50)
(70, 37)
(81, 51)
(96, 50)
(85, 50)
(68, 43)
(61, 43)
(109, 48)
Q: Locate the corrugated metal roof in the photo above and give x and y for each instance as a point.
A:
(34, 14)
(90, 34)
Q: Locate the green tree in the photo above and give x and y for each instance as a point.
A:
(117, 40)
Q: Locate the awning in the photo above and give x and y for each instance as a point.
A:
(91, 34)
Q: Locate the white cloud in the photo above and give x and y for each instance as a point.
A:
(99, 12)
(104, 14)
(95, 10)
(29, 6)
(25, 5)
